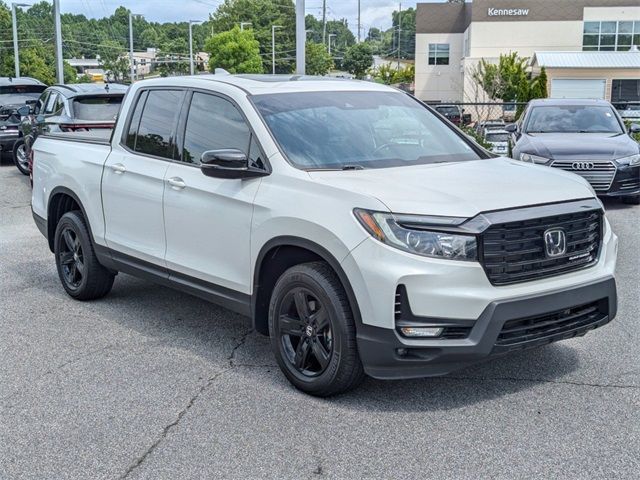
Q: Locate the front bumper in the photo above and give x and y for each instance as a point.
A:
(385, 354)
(625, 183)
(7, 139)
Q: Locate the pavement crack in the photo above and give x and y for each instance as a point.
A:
(165, 431)
(542, 380)
(241, 341)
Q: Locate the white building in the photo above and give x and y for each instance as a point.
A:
(451, 38)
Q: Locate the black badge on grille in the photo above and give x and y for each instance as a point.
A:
(555, 242)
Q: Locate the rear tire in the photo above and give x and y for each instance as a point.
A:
(632, 200)
(81, 275)
(312, 330)
(20, 157)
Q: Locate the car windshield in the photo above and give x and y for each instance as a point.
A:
(97, 108)
(572, 119)
(448, 110)
(338, 130)
(497, 137)
(17, 94)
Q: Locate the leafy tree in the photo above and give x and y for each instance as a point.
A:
(539, 85)
(237, 51)
(358, 59)
(318, 60)
(114, 60)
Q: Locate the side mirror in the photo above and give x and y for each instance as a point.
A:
(24, 110)
(228, 163)
(634, 128)
(511, 128)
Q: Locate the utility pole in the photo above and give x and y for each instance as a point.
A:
(399, 32)
(132, 73)
(301, 38)
(359, 24)
(273, 48)
(58, 30)
(14, 23)
(324, 21)
(330, 35)
(191, 22)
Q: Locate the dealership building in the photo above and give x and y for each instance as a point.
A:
(589, 48)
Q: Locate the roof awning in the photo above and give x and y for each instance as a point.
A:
(629, 59)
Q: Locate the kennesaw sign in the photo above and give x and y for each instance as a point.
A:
(507, 12)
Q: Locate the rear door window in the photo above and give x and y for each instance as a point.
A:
(157, 127)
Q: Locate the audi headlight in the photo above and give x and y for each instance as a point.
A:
(632, 160)
(412, 233)
(527, 157)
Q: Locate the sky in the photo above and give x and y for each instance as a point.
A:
(374, 13)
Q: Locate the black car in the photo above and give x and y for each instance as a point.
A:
(72, 107)
(586, 137)
(17, 95)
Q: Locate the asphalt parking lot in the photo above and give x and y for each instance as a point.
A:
(151, 383)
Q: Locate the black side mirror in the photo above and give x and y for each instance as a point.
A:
(228, 163)
(24, 110)
(511, 127)
(634, 128)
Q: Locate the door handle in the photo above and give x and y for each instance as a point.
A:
(176, 183)
(118, 168)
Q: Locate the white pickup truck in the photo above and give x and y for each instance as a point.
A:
(360, 230)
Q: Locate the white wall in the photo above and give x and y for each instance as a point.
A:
(611, 13)
(439, 82)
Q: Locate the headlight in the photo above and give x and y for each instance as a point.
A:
(408, 233)
(631, 160)
(527, 157)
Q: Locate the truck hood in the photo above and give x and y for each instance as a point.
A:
(461, 189)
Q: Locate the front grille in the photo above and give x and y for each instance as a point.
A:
(630, 185)
(553, 326)
(600, 176)
(515, 251)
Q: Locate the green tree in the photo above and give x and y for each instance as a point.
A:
(318, 60)
(237, 51)
(539, 85)
(358, 59)
(114, 60)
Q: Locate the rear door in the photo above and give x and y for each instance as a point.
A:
(578, 88)
(133, 180)
(208, 220)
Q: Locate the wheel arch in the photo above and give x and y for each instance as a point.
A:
(279, 254)
(63, 200)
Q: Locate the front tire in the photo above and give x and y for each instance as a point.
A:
(20, 157)
(312, 330)
(81, 275)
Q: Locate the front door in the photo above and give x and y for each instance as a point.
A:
(208, 220)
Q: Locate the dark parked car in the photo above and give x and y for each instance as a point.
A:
(16, 96)
(454, 114)
(586, 137)
(65, 108)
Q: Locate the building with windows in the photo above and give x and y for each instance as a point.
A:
(588, 47)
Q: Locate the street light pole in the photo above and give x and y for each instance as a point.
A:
(273, 48)
(58, 30)
(191, 67)
(14, 22)
(301, 38)
(329, 36)
(132, 72)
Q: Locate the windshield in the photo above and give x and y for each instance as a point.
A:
(497, 137)
(572, 119)
(97, 108)
(448, 110)
(336, 130)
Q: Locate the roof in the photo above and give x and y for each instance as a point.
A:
(6, 81)
(75, 89)
(568, 101)
(264, 84)
(630, 59)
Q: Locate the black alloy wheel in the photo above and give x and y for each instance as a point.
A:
(305, 332)
(71, 259)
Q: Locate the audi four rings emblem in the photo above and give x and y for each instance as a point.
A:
(582, 165)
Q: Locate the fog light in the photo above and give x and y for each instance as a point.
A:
(421, 331)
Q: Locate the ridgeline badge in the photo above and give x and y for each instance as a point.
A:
(507, 12)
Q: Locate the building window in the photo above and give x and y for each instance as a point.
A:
(438, 54)
(625, 91)
(610, 35)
